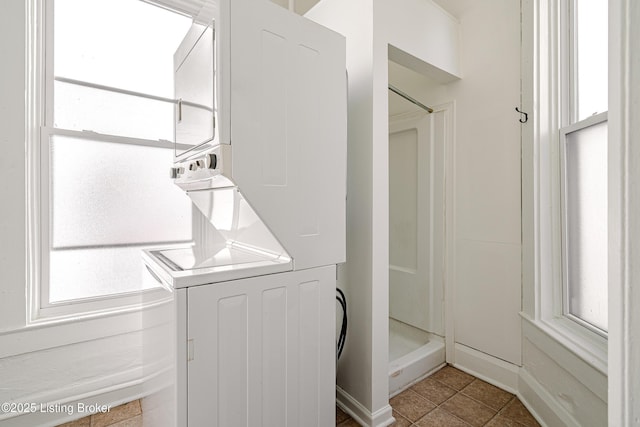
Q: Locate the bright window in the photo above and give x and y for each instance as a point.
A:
(106, 148)
(591, 59)
(583, 140)
(585, 222)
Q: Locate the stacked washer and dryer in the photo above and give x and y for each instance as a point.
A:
(261, 117)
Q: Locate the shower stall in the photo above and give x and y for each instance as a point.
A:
(416, 239)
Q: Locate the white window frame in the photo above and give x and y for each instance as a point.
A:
(569, 123)
(40, 118)
(552, 102)
(44, 309)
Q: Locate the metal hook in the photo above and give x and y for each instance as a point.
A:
(526, 116)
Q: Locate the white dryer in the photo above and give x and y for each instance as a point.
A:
(261, 152)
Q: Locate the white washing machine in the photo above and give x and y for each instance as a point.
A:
(261, 152)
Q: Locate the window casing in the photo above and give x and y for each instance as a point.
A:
(105, 149)
(544, 92)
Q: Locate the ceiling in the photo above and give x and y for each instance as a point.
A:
(456, 7)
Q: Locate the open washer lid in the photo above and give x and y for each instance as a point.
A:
(236, 245)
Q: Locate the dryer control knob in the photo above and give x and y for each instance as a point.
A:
(212, 161)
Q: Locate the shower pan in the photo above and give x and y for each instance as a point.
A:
(413, 354)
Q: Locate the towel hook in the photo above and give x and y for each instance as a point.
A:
(526, 116)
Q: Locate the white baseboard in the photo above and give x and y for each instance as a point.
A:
(488, 368)
(70, 410)
(541, 404)
(381, 418)
(69, 404)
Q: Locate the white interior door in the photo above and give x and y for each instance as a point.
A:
(416, 220)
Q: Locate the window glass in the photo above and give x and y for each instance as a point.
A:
(592, 57)
(105, 193)
(82, 273)
(108, 201)
(586, 224)
(127, 44)
(109, 196)
(84, 108)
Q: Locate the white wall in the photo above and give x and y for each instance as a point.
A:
(298, 6)
(12, 176)
(491, 340)
(487, 177)
(487, 182)
(484, 291)
(369, 27)
(354, 19)
(94, 360)
(421, 36)
(556, 384)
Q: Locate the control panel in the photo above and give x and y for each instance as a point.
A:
(206, 170)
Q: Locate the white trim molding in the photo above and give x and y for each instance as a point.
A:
(82, 405)
(381, 418)
(541, 404)
(486, 367)
(624, 213)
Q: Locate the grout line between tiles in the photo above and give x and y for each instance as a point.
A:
(496, 412)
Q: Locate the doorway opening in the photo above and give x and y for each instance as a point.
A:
(417, 218)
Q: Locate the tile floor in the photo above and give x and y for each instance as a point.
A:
(448, 398)
(452, 398)
(127, 415)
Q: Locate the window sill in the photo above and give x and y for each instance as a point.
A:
(46, 333)
(74, 311)
(588, 346)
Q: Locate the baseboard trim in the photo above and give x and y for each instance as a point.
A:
(488, 368)
(381, 418)
(546, 410)
(62, 414)
(61, 410)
